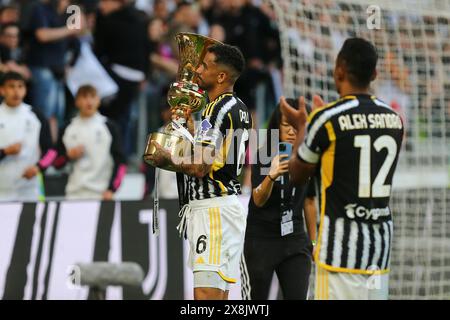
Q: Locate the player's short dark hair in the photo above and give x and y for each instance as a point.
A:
(85, 90)
(11, 75)
(229, 56)
(360, 57)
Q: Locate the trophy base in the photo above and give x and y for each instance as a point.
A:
(173, 144)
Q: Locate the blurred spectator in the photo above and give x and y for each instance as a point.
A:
(163, 70)
(93, 144)
(160, 10)
(186, 18)
(9, 14)
(11, 58)
(25, 143)
(161, 56)
(121, 44)
(46, 58)
(216, 31)
(248, 28)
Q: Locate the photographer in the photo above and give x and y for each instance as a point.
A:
(275, 239)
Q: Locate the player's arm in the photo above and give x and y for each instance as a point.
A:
(203, 154)
(10, 150)
(197, 165)
(300, 170)
(303, 162)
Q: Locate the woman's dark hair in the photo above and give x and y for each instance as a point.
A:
(275, 121)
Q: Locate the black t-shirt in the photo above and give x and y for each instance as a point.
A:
(265, 221)
(51, 54)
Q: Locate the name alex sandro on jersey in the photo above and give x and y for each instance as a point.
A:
(370, 121)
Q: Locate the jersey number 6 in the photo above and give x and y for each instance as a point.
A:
(201, 244)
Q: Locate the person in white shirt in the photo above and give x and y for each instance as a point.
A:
(91, 142)
(25, 142)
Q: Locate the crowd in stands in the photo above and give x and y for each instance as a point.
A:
(133, 42)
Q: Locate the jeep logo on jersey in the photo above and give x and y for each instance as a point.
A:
(353, 211)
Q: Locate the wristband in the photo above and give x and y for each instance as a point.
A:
(271, 178)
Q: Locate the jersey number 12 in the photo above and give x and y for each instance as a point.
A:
(377, 189)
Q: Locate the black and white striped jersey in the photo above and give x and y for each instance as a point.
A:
(224, 126)
(356, 142)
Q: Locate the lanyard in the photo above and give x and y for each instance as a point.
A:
(287, 213)
(285, 189)
(155, 224)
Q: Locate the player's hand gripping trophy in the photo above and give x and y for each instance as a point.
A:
(184, 97)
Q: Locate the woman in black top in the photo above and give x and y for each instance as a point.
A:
(275, 239)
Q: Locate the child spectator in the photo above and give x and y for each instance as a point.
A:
(92, 143)
(25, 143)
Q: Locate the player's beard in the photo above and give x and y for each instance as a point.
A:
(203, 85)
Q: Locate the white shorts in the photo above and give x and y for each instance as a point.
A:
(215, 231)
(349, 286)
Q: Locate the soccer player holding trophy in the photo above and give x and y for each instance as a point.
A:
(208, 161)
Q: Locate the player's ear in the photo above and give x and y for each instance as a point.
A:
(340, 72)
(221, 77)
(374, 75)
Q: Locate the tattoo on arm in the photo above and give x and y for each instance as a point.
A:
(195, 165)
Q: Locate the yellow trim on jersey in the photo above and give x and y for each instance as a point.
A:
(210, 108)
(314, 112)
(225, 277)
(330, 130)
(219, 161)
(327, 168)
(353, 271)
(220, 183)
